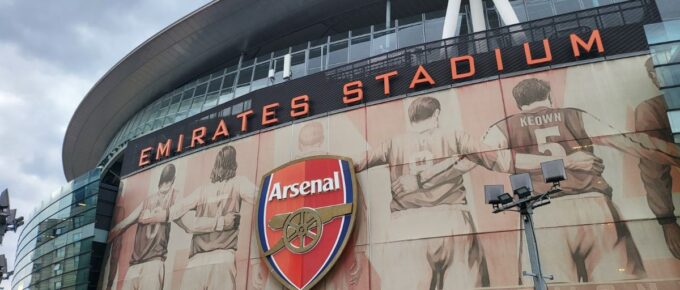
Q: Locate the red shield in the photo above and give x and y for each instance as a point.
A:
(305, 215)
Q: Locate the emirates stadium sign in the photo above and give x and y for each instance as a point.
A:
(305, 215)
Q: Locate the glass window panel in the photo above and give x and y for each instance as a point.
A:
(316, 60)
(245, 76)
(360, 49)
(383, 42)
(674, 120)
(228, 81)
(226, 95)
(247, 62)
(672, 97)
(231, 69)
(185, 105)
(210, 101)
(278, 70)
(411, 35)
(337, 54)
(668, 75)
(200, 89)
(339, 36)
(566, 6)
(196, 105)
(361, 31)
(410, 20)
(260, 79)
(215, 85)
(237, 108)
(434, 29)
(297, 65)
(537, 9)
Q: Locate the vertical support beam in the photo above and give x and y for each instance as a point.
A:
(477, 15)
(506, 12)
(451, 19)
(532, 246)
(388, 13)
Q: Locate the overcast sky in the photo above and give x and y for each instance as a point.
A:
(51, 53)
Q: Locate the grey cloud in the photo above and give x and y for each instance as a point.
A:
(51, 53)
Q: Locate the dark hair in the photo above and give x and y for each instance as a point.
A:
(423, 108)
(530, 91)
(225, 165)
(167, 175)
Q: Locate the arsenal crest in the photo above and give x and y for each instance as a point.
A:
(305, 214)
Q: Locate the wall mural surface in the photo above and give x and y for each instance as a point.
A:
(421, 163)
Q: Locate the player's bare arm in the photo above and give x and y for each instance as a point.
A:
(125, 223)
(376, 156)
(640, 145)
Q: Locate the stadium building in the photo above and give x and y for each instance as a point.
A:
(170, 155)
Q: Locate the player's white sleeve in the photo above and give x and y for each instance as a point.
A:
(495, 139)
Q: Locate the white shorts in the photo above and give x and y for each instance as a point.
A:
(581, 239)
(145, 276)
(210, 270)
(454, 261)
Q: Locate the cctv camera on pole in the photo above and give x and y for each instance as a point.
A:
(525, 203)
(8, 218)
(4, 272)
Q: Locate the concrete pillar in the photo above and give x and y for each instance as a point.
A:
(451, 19)
(477, 15)
(506, 12)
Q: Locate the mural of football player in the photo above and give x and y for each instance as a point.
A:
(312, 140)
(594, 249)
(147, 265)
(409, 155)
(651, 118)
(113, 254)
(211, 214)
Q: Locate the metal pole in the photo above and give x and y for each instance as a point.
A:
(532, 245)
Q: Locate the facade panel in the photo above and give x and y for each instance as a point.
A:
(609, 227)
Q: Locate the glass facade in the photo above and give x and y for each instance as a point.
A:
(61, 245)
(251, 73)
(664, 46)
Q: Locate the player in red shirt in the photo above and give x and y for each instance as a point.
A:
(651, 118)
(582, 238)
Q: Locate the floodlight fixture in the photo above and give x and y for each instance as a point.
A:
(523, 192)
(521, 184)
(492, 192)
(553, 171)
(3, 265)
(505, 198)
(4, 199)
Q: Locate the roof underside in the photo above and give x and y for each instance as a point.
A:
(212, 35)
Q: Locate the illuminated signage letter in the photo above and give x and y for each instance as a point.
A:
(386, 80)
(499, 59)
(353, 92)
(221, 130)
(163, 149)
(594, 39)
(244, 119)
(197, 137)
(145, 156)
(299, 106)
(531, 60)
(269, 114)
(454, 70)
(421, 76)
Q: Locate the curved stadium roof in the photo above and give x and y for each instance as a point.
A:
(208, 37)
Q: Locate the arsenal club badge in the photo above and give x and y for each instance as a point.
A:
(305, 214)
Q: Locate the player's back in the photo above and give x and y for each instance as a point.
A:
(553, 132)
(411, 153)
